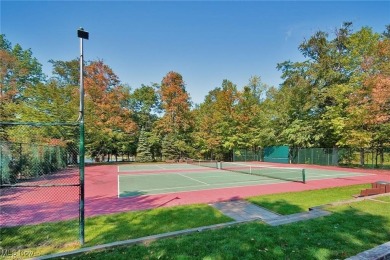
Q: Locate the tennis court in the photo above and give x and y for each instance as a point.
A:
(150, 179)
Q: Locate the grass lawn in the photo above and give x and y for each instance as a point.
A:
(384, 198)
(63, 236)
(350, 230)
(294, 202)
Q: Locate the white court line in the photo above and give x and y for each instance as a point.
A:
(125, 166)
(129, 174)
(219, 184)
(192, 179)
(259, 166)
(339, 174)
(161, 167)
(320, 178)
(147, 174)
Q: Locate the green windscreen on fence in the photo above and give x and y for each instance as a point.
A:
(278, 154)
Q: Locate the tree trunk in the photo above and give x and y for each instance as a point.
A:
(362, 157)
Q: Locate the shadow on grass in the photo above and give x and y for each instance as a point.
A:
(280, 206)
(123, 226)
(62, 236)
(346, 232)
(50, 223)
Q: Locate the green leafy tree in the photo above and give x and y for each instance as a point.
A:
(50, 102)
(145, 104)
(19, 71)
(169, 149)
(253, 121)
(143, 150)
(316, 94)
(216, 125)
(66, 72)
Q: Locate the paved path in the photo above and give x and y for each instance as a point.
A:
(381, 252)
(240, 210)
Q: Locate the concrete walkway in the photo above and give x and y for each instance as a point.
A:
(381, 252)
(240, 210)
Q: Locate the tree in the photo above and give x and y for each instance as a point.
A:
(291, 106)
(169, 150)
(107, 116)
(50, 102)
(66, 72)
(175, 104)
(370, 104)
(319, 91)
(253, 121)
(19, 71)
(146, 105)
(176, 123)
(143, 149)
(216, 125)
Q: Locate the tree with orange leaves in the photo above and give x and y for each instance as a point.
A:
(373, 98)
(109, 124)
(176, 124)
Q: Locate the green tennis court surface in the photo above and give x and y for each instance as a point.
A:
(170, 178)
(155, 167)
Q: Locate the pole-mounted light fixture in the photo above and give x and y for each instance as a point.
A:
(82, 35)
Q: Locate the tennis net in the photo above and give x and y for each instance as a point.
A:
(204, 163)
(288, 174)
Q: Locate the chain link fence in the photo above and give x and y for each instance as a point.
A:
(318, 156)
(358, 157)
(246, 155)
(377, 157)
(39, 181)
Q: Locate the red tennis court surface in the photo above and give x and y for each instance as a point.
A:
(35, 205)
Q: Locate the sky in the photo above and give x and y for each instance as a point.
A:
(205, 41)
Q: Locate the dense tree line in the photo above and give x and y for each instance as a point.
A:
(339, 96)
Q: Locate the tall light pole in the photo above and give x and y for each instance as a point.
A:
(82, 35)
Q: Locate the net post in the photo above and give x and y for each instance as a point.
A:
(303, 176)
